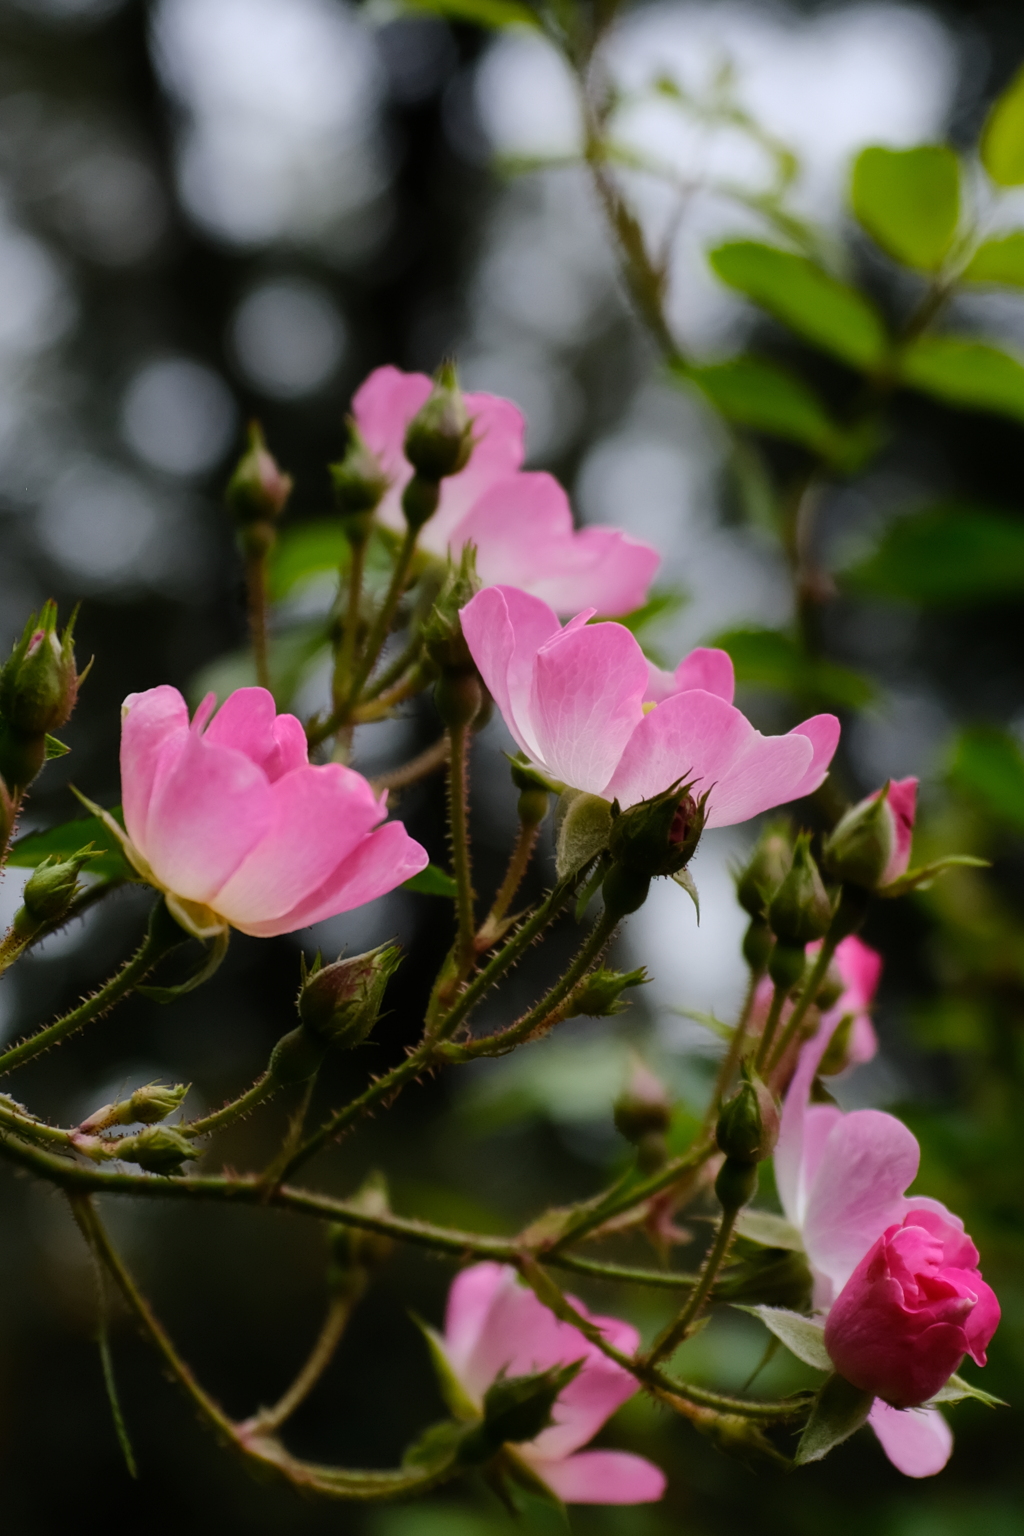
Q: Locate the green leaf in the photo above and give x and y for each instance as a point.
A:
(111, 864)
(967, 372)
(432, 882)
(806, 298)
(769, 1230)
(772, 659)
(989, 765)
(925, 876)
(768, 399)
(55, 748)
(908, 200)
(802, 1336)
(708, 1021)
(484, 13)
(997, 261)
(946, 556)
(456, 1399)
(1002, 138)
(839, 1410)
(957, 1389)
(660, 605)
(305, 551)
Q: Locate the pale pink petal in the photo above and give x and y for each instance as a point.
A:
(863, 1040)
(868, 1161)
(763, 776)
(706, 668)
(383, 406)
(587, 700)
(822, 731)
(247, 721)
(583, 1406)
(504, 628)
(601, 1477)
(523, 531)
(211, 807)
(917, 1441)
(292, 748)
(469, 1302)
(154, 730)
(861, 968)
(902, 802)
(790, 1172)
(320, 815)
(382, 861)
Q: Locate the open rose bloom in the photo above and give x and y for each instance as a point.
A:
(587, 708)
(494, 1325)
(230, 819)
(519, 520)
(896, 1274)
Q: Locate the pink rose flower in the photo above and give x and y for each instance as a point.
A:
(234, 824)
(872, 848)
(520, 521)
(574, 699)
(495, 1324)
(842, 1179)
(860, 967)
(912, 1309)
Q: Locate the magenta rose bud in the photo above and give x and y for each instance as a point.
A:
(870, 845)
(913, 1308)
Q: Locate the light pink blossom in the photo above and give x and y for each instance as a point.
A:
(229, 818)
(495, 1324)
(574, 699)
(913, 1308)
(520, 521)
(842, 1179)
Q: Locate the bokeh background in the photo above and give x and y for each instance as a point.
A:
(214, 209)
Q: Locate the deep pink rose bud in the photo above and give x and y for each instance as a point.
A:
(913, 1307)
(870, 846)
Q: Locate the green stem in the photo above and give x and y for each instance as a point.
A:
(119, 985)
(811, 988)
(771, 1023)
(519, 862)
(546, 1011)
(628, 1194)
(671, 1337)
(458, 833)
(260, 1090)
(256, 589)
(395, 669)
(426, 762)
(320, 1357)
(731, 1059)
(350, 624)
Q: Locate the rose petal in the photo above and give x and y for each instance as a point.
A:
(917, 1441)
(822, 731)
(601, 1477)
(249, 722)
(504, 628)
(469, 1301)
(587, 701)
(154, 731)
(706, 668)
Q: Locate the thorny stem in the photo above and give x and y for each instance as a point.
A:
(458, 833)
(519, 862)
(256, 592)
(261, 1089)
(350, 624)
(672, 1336)
(731, 1059)
(419, 767)
(395, 669)
(771, 1023)
(119, 985)
(810, 990)
(627, 1195)
(320, 1357)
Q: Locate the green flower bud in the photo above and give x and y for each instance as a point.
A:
(38, 688)
(339, 1004)
(158, 1149)
(757, 944)
(296, 1057)
(258, 491)
(599, 996)
(786, 965)
(643, 1106)
(658, 836)
(624, 890)
(147, 1105)
(800, 911)
(439, 439)
(516, 1410)
(443, 639)
(860, 847)
(50, 890)
(736, 1184)
(748, 1125)
(359, 484)
(768, 867)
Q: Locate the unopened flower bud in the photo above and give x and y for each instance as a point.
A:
(870, 845)
(39, 685)
(534, 794)
(339, 1004)
(800, 910)
(736, 1184)
(147, 1106)
(258, 490)
(768, 866)
(359, 484)
(439, 439)
(296, 1057)
(757, 944)
(658, 836)
(158, 1149)
(748, 1125)
(643, 1106)
(50, 890)
(786, 965)
(443, 639)
(516, 1409)
(600, 995)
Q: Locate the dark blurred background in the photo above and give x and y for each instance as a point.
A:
(215, 209)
